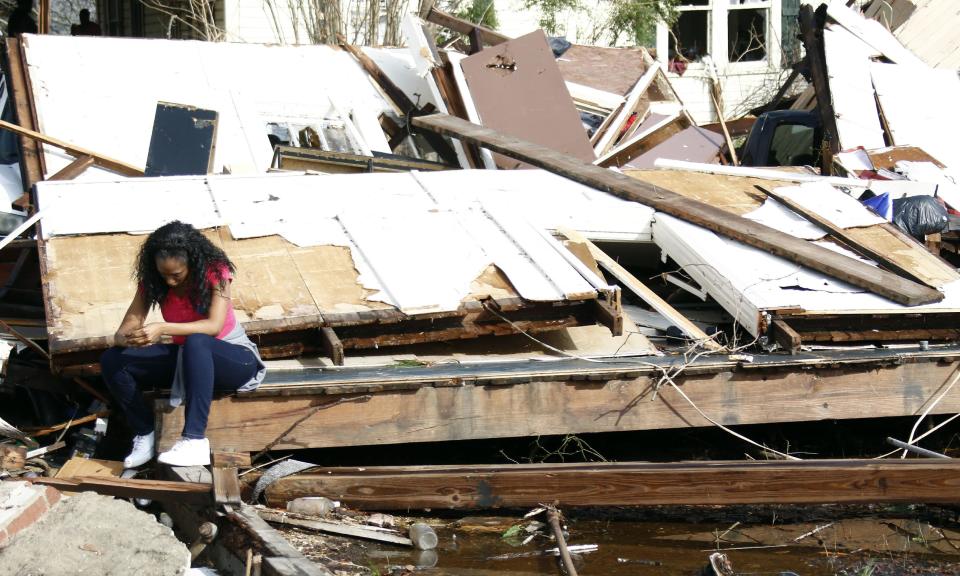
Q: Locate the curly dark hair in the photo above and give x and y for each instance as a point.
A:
(180, 240)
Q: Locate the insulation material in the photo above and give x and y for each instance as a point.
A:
(920, 107)
(747, 281)
(524, 73)
(851, 90)
(249, 86)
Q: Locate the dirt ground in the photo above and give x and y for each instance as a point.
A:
(98, 535)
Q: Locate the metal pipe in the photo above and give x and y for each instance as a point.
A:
(916, 449)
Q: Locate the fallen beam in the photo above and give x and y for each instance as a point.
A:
(629, 484)
(451, 22)
(111, 164)
(161, 490)
(794, 249)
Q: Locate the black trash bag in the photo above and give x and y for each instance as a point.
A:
(920, 215)
(559, 45)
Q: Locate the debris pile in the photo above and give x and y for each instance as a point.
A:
(501, 237)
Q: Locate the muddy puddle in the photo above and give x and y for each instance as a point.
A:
(470, 546)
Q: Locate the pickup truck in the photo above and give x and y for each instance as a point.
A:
(783, 138)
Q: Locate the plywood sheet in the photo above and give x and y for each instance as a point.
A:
(518, 91)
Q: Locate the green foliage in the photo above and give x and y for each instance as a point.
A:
(632, 21)
(481, 12)
(550, 9)
(513, 531)
(637, 19)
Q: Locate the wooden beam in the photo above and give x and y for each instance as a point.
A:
(713, 218)
(451, 22)
(187, 492)
(643, 142)
(785, 336)
(31, 155)
(340, 529)
(630, 484)
(641, 290)
(111, 164)
(74, 169)
(842, 235)
(456, 406)
(811, 32)
(332, 346)
(226, 486)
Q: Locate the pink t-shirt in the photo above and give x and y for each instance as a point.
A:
(178, 309)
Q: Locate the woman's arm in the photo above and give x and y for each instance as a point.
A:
(133, 320)
(211, 325)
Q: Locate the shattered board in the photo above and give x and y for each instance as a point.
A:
(309, 250)
(518, 91)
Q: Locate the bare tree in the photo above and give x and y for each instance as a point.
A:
(196, 16)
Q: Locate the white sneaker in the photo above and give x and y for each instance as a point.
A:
(187, 452)
(142, 451)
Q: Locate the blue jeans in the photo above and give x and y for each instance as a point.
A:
(208, 364)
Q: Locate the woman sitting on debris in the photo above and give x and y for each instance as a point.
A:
(182, 272)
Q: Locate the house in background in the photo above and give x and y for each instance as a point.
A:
(751, 44)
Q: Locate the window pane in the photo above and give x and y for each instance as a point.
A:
(689, 36)
(694, 2)
(747, 35)
(792, 145)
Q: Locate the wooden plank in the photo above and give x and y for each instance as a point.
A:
(451, 22)
(160, 490)
(456, 408)
(74, 169)
(641, 143)
(226, 485)
(632, 484)
(643, 292)
(224, 459)
(785, 336)
(112, 164)
(606, 136)
(339, 529)
(716, 219)
(31, 156)
(332, 346)
(842, 235)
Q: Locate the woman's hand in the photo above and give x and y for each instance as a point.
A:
(145, 336)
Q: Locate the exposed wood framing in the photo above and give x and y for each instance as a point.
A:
(640, 143)
(633, 284)
(713, 218)
(629, 484)
(459, 403)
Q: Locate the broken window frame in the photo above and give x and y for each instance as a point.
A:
(718, 37)
(708, 8)
(765, 7)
